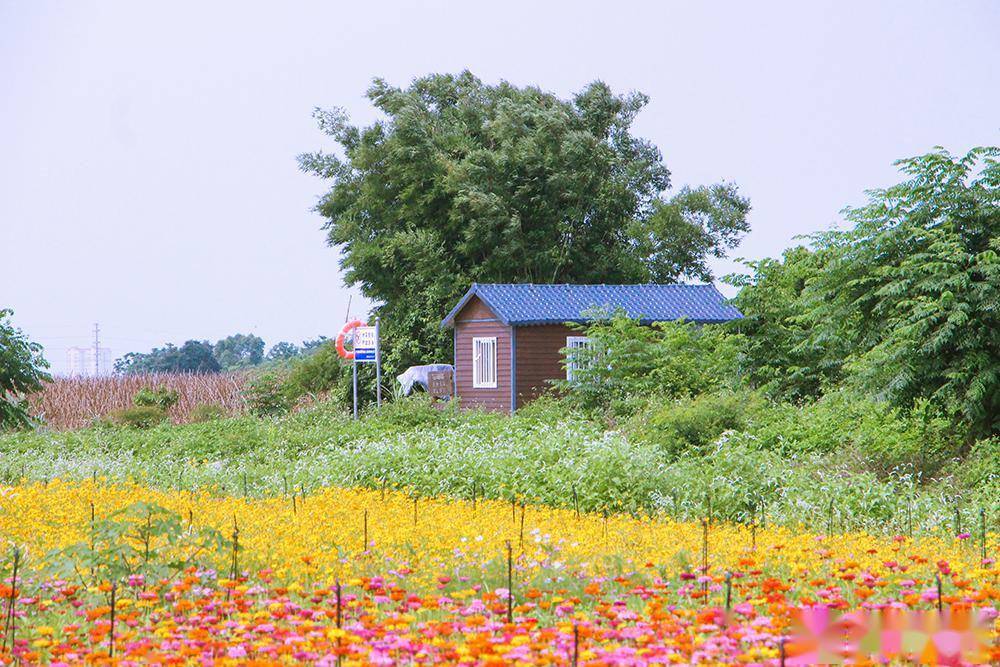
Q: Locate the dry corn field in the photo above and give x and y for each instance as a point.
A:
(68, 403)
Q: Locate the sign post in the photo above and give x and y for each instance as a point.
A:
(366, 351)
(354, 368)
(378, 363)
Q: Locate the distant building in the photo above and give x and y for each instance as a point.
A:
(82, 361)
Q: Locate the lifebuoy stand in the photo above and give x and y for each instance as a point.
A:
(350, 355)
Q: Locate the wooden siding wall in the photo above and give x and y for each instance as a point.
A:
(475, 321)
(539, 358)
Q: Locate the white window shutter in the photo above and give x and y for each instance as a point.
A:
(484, 363)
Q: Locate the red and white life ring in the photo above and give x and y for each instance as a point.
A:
(350, 326)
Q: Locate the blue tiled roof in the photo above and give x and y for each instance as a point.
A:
(521, 304)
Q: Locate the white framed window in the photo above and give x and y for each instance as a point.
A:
(484, 363)
(573, 364)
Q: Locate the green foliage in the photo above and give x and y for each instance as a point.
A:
(322, 371)
(141, 416)
(682, 234)
(265, 396)
(206, 412)
(140, 540)
(542, 456)
(282, 351)
(464, 182)
(919, 280)
(776, 355)
(22, 371)
(192, 357)
(239, 351)
(878, 437)
(627, 363)
(690, 425)
(162, 397)
(902, 306)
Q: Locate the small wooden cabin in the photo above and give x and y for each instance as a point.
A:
(509, 339)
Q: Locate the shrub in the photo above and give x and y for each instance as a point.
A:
(883, 439)
(141, 416)
(162, 397)
(266, 397)
(627, 363)
(207, 412)
(325, 373)
(693, 424)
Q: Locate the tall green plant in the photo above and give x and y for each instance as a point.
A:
(913, 290)
(22, 371)
(626, 362)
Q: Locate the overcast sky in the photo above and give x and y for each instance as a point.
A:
(147, 150)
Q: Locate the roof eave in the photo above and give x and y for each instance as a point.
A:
(449, 320)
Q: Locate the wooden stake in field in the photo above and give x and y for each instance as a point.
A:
(510, 584)
(704, 556)
(729, 591)
(576, 506)
(339, 604)
(521, 544)
(982, 534)
(414, 510)
(111, 641)
(365, 550)
(11, 618)
(576, 645)
(937, 580)
(236, 548)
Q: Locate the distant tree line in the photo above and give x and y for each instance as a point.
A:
(234, 352)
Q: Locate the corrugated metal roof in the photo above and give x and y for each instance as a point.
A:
(521, 304)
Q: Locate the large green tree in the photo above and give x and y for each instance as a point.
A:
(903, 305)
(777, 354)
(913, 290)
(463, 181)
(22, 371)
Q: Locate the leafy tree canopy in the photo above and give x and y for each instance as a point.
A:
(192, 357)
(22, 371)
(905, 305)
(283, 350)
(463, 181)
(239, 351)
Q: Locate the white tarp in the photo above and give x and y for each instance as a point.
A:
(418, 375)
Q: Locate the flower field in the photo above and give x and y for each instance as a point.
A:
(121, 573)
